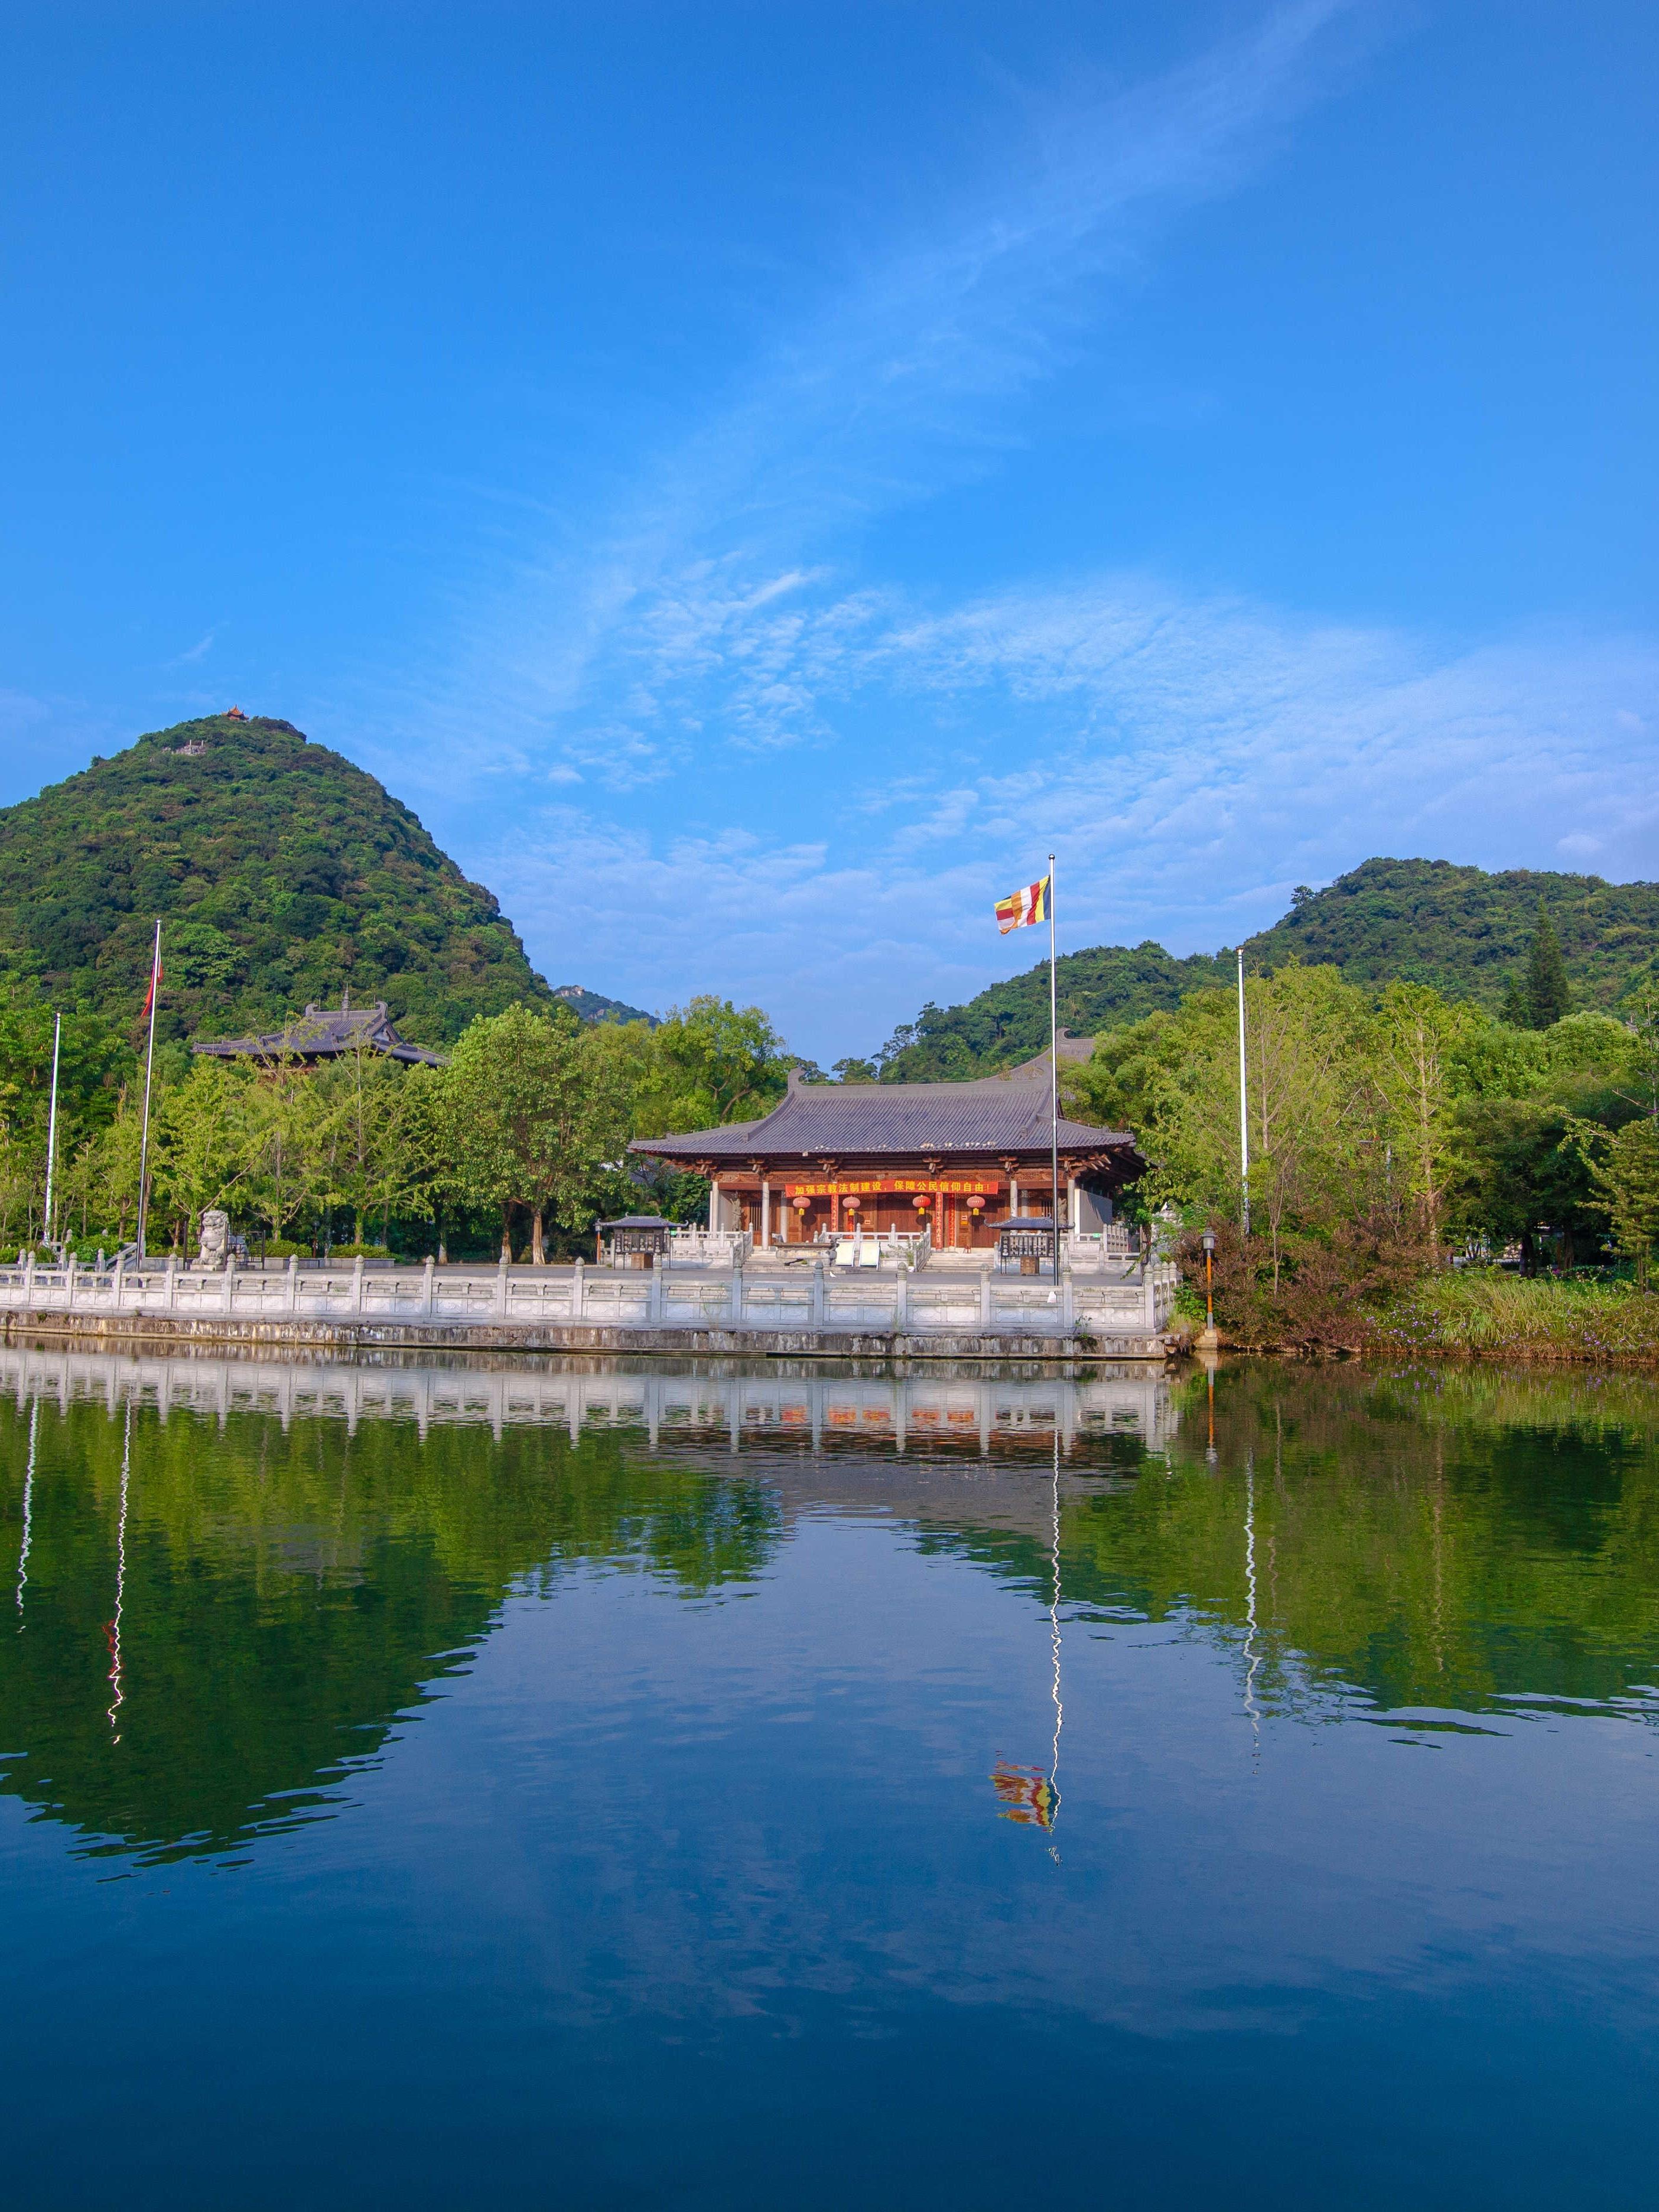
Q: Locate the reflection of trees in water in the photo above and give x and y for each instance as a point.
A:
(1442, 1539)
(286, 1595)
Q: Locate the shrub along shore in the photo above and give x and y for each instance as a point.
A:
(1483, 1315)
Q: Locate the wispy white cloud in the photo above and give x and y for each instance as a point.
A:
(1186, 760)
(199, 651)
(1187, 756)
(686, 617)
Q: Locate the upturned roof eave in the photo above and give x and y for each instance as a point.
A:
(716, 1143)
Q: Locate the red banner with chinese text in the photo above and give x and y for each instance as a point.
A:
(936, 1186)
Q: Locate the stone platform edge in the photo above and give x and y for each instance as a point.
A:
(576, 1336)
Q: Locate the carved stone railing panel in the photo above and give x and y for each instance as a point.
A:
(815, 1296)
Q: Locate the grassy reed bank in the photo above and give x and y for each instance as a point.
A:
(1487, 1315)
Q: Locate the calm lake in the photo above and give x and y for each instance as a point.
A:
(573, 1785)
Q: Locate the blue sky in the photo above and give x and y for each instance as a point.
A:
(754, 478)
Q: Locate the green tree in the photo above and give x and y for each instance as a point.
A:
(289, 1141)
(1313, 1111)
(202, 1140)
(1518, 1172)
(715, 1062)
(1623, 1170)
(1547, 997)
(94, 1061)
(375, 1161)
(531, 1112)
(1416, 1037)
(101, 1186)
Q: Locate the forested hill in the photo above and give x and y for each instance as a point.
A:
(1465, 930)
(1098, 989)
(1431, 921)
(283, 876)
(594, 1006)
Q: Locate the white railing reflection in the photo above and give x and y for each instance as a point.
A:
(900, 1412)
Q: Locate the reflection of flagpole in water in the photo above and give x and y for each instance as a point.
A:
(114, 1630)
(1053, 1637)
(28, 1508)
(1028, 1795)
(1251, 1654)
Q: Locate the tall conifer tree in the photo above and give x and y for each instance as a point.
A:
(1547, 996)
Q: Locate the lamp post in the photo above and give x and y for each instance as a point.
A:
(1209, 1341)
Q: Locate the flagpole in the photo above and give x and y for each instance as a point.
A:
(1243, 1097)
(150, 1066)
(52, 1125)
(1054, 1076)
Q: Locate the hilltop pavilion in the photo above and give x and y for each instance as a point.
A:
(963, 1156)
(323, 1033)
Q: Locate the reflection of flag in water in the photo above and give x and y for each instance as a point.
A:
(1027, 1794)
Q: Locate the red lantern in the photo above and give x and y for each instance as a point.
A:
(975, 1206)
(800, 1205)
(922, 1204)
(850, 1205)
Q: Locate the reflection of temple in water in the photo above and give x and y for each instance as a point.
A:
(208, 1641)
(288, 1592)
(929, 1445)
(973, 1410)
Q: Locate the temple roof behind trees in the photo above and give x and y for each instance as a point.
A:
(323, 1033)
(993, 1115)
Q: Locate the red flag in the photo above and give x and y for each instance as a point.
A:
(154, 984)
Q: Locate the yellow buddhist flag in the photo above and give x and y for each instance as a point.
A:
(1022, 906)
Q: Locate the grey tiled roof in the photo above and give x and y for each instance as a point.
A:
(858, 1121)
(322, 1033)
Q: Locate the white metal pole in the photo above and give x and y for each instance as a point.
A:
(1244, 1099)
(51, 1122)
(1054, 1076)
(149, 1069)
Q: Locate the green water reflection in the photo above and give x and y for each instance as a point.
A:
(284, 1597)
(1429, 1538)
(1427, 1541)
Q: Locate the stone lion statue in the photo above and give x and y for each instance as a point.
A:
(215, 1238)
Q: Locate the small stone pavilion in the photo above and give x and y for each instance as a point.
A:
(961, 1158)
(323, 1033)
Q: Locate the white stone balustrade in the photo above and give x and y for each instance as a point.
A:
(816, 1297)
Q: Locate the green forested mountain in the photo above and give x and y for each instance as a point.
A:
(1464, 930)
(594, 1006)
(281, 873)
(1099, 989)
